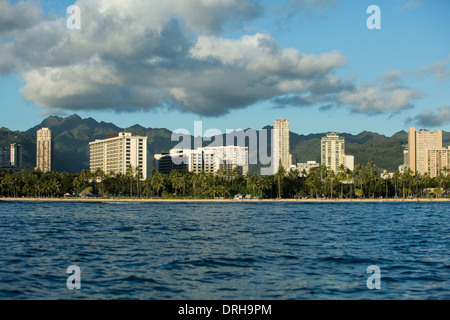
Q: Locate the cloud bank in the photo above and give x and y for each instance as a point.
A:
(144, 55)
(431, 118)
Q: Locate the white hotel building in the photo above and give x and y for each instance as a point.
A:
(207, 159)
(333, 153)
(117, 152)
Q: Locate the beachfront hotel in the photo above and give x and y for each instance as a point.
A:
(438, 161)
(419, 142)
(305, 168)
(332, 153)
(206, 159)
(280, 145)
(44, 150)
(117, 152)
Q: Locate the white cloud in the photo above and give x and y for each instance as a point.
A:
(440, 70)
(431, 118)
(372, 99)
(411, 4)
(286, 10)
(260, 52)
(152, 54)
(19, 16)
(157, 54)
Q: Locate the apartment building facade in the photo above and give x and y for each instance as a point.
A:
(419, 142)
(280, 145)
(117, 152)
(44, 150)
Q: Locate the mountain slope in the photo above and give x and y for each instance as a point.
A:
(73, 134)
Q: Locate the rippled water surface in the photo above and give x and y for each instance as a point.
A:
(224, 250)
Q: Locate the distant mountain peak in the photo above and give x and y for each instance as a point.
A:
(73, 116)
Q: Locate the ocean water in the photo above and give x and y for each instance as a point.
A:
(177, 251)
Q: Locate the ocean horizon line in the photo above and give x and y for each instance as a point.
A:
(156, 200)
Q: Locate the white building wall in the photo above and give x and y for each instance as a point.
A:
(117, 153)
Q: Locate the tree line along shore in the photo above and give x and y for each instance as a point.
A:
(362, 183)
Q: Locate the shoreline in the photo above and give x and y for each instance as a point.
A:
(224, 200)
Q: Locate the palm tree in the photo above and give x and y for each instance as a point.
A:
(280, 175)
(28, 180)
(313, 182)
(426, 181)
(54, 185)
(47, 187)
(438, 192)
(81, 180)
(99, 176)
(146, 187)
(234, 174)
(372, 172)
(195, 183)
(406, 180)
(440, 179)
(359, 179)
(39, 187)
(153, 172)
(386, 177)
(446, 172)
(158, 182)
(131, 173)
(266, 183)
(176, 179)
(184, 180)
(252, 182)
(330, 178)
(396, 179)
(342, 176)
(8, 182)
(349, 178)
(213, 189)
(2, 183)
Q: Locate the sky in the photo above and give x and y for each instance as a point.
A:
(233, 64)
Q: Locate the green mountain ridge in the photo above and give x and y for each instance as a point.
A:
(72, 135)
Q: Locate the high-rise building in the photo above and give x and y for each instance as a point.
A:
(165, 163)
(332, 151)
(280, 145)
(15, 151)
(44, 150)
(117, 152)
(419, 142)
(206, 159)
(348, 162)
(437, 160)
(5, 161)
(405, 155)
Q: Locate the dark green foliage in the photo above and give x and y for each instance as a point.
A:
(363, 182)
(73, 134)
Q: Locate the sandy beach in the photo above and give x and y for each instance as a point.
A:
(223, 200)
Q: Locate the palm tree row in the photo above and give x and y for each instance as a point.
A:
(362, 182)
